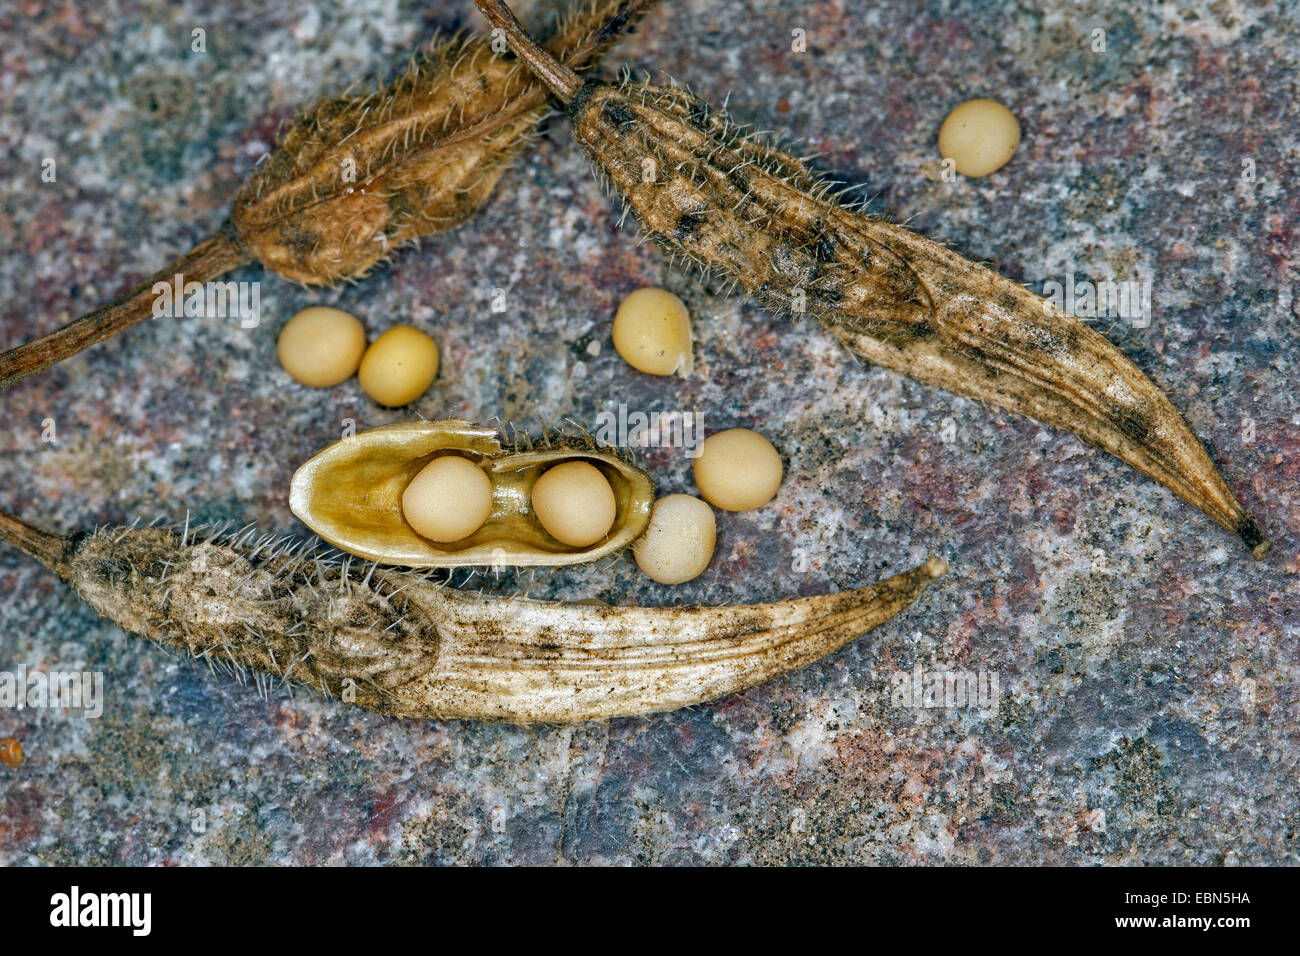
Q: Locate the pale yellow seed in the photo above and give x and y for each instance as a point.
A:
(738, 470)
(321, 347)
(575, 503)
(399, 366)
(652, 332)
(979, 136)
(678, 544)
(448, 500)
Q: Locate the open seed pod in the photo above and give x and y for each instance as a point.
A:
(351, 495)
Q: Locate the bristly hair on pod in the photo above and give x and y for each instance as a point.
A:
(354, 178)
(733, 203)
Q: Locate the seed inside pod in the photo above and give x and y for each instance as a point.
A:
(652, 332)
(320, 347)
(679, 543)
(449, 500)
(979, 136)
(352, 495)
(399, 366)
(574, 503)
(738, 470)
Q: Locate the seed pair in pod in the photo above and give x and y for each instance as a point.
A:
(474, 501)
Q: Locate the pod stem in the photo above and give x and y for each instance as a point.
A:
(45, 547)
(206, 261)
(564, 83)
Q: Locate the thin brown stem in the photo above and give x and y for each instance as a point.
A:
(206, 261)
(564, 83)
(45, 547)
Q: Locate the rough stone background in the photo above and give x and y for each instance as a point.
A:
(1148, 672)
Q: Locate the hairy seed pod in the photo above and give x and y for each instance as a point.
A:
(396, 643)
(746, 210)
(351, 495)
(353, 178)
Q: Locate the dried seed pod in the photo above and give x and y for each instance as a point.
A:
(746, 210)
(396, 643)
(351, 495)
(353, 178)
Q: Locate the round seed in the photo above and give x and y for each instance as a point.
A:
(399, 366)
(321, 347)
(448, 500)
(11, 752)
(678, 545)
(738, 470)
(652, 332)
(979, 136)
(574, 503)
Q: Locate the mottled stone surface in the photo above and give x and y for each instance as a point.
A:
(1148, 674)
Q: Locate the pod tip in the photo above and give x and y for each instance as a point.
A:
(1253, 538)
(936, 567)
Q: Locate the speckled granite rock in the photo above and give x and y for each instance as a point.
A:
(1147, 673)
